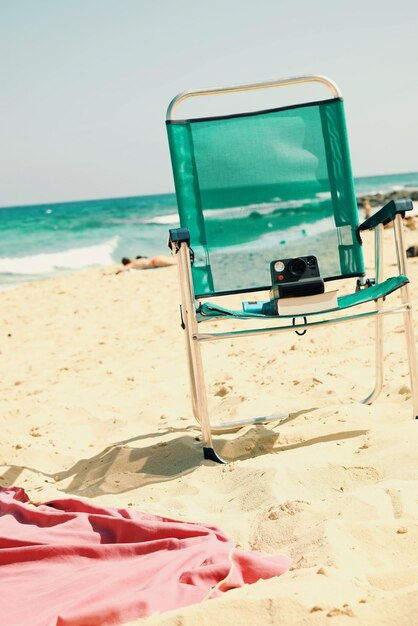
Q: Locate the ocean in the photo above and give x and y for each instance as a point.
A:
(44, 240)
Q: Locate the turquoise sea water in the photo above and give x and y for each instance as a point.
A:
(44, 240)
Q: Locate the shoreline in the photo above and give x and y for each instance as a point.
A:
(376, 201)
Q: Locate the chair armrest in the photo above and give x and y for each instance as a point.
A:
(176, 236)
(385, 215)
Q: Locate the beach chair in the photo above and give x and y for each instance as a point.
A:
(253, 188)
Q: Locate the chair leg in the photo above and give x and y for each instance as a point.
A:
(378, 359)
(198, 391)
(200, 400)
(192, 378)
(378, 253)
(412, 356)
(406, 300)
(194, 357)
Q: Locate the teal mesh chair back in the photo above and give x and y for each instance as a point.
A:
(260, 186)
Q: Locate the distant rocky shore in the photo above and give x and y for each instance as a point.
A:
(379, 199)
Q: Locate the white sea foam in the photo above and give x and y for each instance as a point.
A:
(72, 259)
(323, 195)
(264, 208)
(171, 218)
(236, 212)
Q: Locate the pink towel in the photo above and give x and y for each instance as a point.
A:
(71, 563)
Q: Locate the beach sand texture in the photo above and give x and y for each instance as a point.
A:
(95, 403)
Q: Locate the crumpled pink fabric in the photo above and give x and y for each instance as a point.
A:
(68, 562)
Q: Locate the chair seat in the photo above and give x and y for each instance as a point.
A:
(208, 310)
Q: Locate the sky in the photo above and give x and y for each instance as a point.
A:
(85, 84)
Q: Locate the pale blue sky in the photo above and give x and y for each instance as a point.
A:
(85, 83)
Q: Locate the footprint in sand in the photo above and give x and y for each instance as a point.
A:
(290, 507)
(223, 390)
(405, 391)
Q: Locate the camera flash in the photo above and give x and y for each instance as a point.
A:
(279, 266)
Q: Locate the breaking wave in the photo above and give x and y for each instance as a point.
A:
(72, 259)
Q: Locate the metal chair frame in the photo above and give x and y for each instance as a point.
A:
(189, 304)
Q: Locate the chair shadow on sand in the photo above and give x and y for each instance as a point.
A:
(121, 467)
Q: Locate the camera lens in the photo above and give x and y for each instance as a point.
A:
(296, 267)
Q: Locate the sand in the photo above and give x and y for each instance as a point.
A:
(94, 403)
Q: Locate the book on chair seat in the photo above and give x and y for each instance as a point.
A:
(298, 305)
(301, 305)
